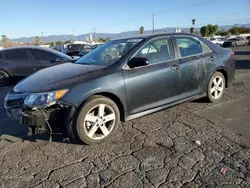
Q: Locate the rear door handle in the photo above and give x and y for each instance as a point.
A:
(175, 67)
(211, 58)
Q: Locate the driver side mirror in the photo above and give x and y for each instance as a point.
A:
(138, 62)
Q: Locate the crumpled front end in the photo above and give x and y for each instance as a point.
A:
(54, 118)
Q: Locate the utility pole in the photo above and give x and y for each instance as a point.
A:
(94, 34)
(73, 35)
(41, 37)
(153, 23)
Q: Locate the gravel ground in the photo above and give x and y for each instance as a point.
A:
(195, 144)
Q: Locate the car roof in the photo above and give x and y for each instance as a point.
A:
(39, 48)
(149, 36)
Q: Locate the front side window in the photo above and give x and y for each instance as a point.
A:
(109, 53)
(157, 51)
(40, 55)
(19, 54)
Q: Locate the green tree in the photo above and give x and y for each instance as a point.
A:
(52, 44)
(141, 30)
(204, 31)
(67, 42)
(58, 43)
(215, 29)
(210, 29)
(37, 41)
(101, 40)
(5, 41)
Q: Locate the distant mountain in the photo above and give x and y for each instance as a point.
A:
(53, 38)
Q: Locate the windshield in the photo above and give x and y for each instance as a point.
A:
(109, 53)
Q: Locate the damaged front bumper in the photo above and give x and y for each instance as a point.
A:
(54, 119)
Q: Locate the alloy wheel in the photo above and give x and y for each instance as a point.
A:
(99, 121)
(217, 87)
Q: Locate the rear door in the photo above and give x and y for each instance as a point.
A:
(43, 59)
(156, 84)
(197, 62)
(20, 62)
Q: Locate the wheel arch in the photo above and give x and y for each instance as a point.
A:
(224, 72)
(111, 96)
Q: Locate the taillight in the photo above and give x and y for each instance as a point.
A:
(233, 54)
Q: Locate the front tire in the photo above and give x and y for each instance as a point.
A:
(97, 121)
(216, 87)
(4, 79)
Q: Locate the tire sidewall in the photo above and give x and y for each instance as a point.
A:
(79, 130)
(209, 95)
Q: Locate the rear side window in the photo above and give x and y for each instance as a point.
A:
(20, 54)
(44, 56)
(188, 46)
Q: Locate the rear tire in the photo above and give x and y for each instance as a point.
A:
(4, 79)
(97, 121)
(216, 87)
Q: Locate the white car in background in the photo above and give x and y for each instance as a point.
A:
(218, 41)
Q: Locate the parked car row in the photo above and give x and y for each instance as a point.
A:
(88, 98)
(230, 42)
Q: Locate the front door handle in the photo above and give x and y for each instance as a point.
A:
(175, 67)
(211, 58)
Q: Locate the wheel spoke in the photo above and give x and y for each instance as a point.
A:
(109, 117)
(220, 89)
(91, 118)
(101, 110)
(104, 129)
(216, 94)
(219, 81)
(212, 90)
(215, 81)
(92, 130)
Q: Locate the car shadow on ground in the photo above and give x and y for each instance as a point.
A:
(242, 64)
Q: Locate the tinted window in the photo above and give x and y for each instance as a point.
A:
(188, 46)
(1, 55)
(20, 54)
(44, 56)
(157, 51)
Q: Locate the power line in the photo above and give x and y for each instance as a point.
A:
(159, 12)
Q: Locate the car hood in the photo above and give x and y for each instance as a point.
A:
(57, 77)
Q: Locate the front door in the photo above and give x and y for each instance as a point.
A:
(157, 83)
(196, 64)
(43, 59)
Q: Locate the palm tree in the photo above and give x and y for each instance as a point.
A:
(5, 40)
(192, 28)
(141, 30)
(193, 22)
(37, 40)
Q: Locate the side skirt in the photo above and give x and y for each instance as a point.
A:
(130, 117)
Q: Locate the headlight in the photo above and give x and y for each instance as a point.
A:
(40, 99)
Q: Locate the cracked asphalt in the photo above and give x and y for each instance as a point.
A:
(195, 144)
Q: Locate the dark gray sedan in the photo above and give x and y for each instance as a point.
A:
(88, 98)
(19, 62)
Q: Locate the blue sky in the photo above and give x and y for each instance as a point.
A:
(31, 17)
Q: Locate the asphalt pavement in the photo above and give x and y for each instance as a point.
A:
(195, 144)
